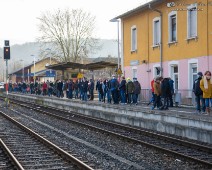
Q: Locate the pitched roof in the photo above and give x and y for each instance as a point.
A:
(90, 66)
(139, 9)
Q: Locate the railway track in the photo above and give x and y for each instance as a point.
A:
(7, 159)
(181, 148)
(34, 151)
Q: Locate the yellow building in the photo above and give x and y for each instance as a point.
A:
(38, 69)
(168, 38)
(41, 73)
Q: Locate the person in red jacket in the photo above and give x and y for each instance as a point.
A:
(44, 88)
(153, 95)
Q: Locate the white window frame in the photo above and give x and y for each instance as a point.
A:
(189, 22)
(133, 28)
(191, 62)
(172, 64)
(154, 70)
(170, 25)
(154, 31)
(134, 69)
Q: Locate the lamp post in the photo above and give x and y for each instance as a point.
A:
(34, 68)
(23, 70)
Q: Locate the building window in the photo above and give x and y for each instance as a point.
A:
(193, 74)
(133, 38)
(172, 24)
(156, 31)
(134, 71)
(174, 76)
(156, 70)
(192, 21)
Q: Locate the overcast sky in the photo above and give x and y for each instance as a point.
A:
(19, 23)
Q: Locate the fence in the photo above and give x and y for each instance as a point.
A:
(180, 97)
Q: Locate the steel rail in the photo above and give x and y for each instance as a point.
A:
(66, 155)
(11, 156)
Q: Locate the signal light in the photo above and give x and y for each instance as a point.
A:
(6, 43)
(6, 53)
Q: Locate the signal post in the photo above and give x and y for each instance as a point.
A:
(7, 57)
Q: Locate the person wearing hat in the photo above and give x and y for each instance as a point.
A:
(199, 94)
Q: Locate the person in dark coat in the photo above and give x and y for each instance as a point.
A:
(137, 90)
(84, 89)
(80, 85)
(91, 89)
(114, 84)
(108, 91)
(70, 89)
(60, 88)
(31, 86)
(99, 89)
(76, 89)
(51, 86)
(171, 84)
(130, 90)
(165, 93)
(24, 87)
(199, 94)
(122, 88)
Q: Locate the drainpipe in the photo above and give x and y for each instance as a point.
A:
(208, 38)
(161, 52)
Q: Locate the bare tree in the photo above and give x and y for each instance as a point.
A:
(68, 33)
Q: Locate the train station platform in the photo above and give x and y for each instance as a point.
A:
(177, 121)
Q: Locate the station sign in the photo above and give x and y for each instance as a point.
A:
(79, 75)
(50, 73)
(134, 62)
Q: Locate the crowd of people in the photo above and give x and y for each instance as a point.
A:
(123, 91)
(109, 90)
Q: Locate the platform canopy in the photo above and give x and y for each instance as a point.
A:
(90, 66)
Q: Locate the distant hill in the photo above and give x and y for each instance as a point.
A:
(24, 52)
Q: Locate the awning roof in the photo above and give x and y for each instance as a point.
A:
(90, 66)
(65, 65)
